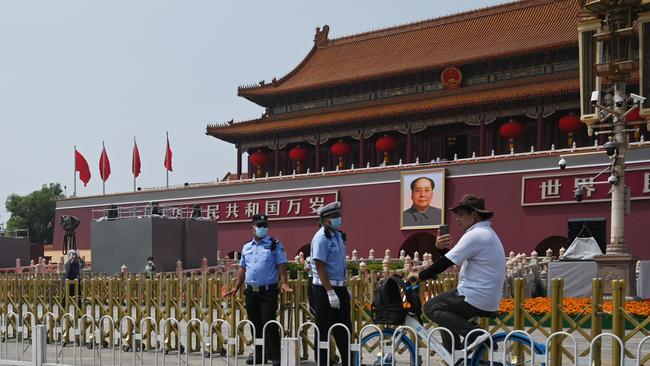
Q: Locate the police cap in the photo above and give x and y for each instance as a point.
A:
(259, 218)
(329, 209)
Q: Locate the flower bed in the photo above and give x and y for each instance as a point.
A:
(577, 308)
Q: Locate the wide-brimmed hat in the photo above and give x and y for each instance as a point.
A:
(471, 202)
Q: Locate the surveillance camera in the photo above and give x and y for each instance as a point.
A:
(637, 98)
(578, 194)
(562, 163)
(595, 97)
(613, 180)
(610, 147)
(618, 100)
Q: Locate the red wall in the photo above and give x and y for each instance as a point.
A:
(371, 218)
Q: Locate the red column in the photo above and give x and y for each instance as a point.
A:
(539, 145)
(317, 168)
(239, 161)
(277, 159)
(362, 148)
(481, 138)
(409, 146)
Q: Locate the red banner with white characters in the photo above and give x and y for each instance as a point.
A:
(242, 209)
(552, 189)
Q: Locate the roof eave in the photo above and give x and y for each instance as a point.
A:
(254, 94)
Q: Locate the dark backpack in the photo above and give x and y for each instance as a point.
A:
(387, 307)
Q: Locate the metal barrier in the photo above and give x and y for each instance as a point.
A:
(149, 329)
(328, 344)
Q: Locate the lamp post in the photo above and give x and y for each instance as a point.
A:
(607, 34)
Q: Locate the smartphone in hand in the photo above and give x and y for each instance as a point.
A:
(443, 230)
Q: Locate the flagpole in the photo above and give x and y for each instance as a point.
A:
(103, 169)
(75, 172)
(166, 163)
(133, 162)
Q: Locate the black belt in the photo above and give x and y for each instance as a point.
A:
(255, 288)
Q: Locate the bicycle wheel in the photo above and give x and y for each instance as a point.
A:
(370, 357)
(477, 357)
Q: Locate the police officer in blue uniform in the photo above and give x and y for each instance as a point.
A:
(263, 260)
(330, 295)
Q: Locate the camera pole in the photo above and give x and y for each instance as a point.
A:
(606, 41)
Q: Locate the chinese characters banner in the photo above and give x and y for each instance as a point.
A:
(276, 207)
(559, 188)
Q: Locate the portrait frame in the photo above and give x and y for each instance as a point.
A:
(437, 202)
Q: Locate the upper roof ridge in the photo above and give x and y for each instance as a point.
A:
(505, 6)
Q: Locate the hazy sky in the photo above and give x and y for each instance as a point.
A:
(79, 72)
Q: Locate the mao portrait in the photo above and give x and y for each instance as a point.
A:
(422, 198)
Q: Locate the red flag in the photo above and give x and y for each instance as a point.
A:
(168, 157)
(135, 162)
(104, 165)
(81, 166)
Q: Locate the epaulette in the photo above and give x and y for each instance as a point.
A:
(343, 236)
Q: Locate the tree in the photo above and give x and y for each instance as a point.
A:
(35, 212)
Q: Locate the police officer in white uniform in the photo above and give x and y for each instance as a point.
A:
(330, 296)
(263, 259)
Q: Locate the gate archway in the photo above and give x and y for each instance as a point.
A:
(422, 242)
(552, 242)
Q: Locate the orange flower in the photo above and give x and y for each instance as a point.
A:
(574, 306)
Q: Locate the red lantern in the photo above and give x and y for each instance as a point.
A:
(386, 144)
(258, 159)
(298, 154)
(340, 149)
(511, 130)
(569, 124)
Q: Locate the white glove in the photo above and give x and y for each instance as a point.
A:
(334, 299)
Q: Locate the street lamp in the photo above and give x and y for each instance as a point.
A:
(606, 41)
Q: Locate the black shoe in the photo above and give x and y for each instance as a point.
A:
(257, 361)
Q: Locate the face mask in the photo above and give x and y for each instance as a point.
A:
(261, 232)
(335, 223)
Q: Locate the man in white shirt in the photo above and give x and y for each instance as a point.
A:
(481, 258)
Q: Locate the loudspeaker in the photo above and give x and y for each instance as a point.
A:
(596, 226)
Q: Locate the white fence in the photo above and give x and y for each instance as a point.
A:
(26, 344)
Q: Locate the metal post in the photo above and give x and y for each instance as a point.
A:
(596, 316)
(39, 345)
(556, 320)
(75, 172)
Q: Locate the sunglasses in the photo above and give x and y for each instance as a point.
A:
(262, 224)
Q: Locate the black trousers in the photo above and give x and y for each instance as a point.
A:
(450, 310)
(262, 307)
(326, 317)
